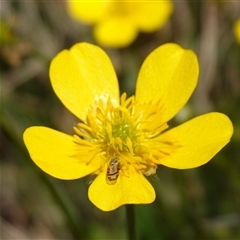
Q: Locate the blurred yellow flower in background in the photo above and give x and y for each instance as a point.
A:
(121, 140)
(117, 23)
(236, 30)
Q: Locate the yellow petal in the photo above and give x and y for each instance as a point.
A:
(200, 139)
(169, 75)
(115, 32)
(54, 153)
(132, 189)
(81, 75)
(87, 11)
(153, 15)
(236, 30)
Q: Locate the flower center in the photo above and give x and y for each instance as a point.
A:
(122, 9)
(124, 130)
(123, 135)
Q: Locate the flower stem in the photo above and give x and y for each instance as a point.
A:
(131, 222)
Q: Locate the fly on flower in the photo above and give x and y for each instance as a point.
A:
(113, 170)
(117, 134)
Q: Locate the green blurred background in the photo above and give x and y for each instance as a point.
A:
(202, 203)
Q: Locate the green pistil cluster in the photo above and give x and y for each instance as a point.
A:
(124, 130)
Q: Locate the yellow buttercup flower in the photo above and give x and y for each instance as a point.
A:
(121, 140)
(117, 23)
(236, 30)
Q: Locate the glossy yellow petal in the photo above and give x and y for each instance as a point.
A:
(169, 75)
(88, 11)
(115, 32)
(200, 139)
(237, 30)
(55, 153)
(81, 75)
(129, 189)
(153, 15)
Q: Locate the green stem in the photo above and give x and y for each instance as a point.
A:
(131, 222)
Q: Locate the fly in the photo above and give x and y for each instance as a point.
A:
(113, 171)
